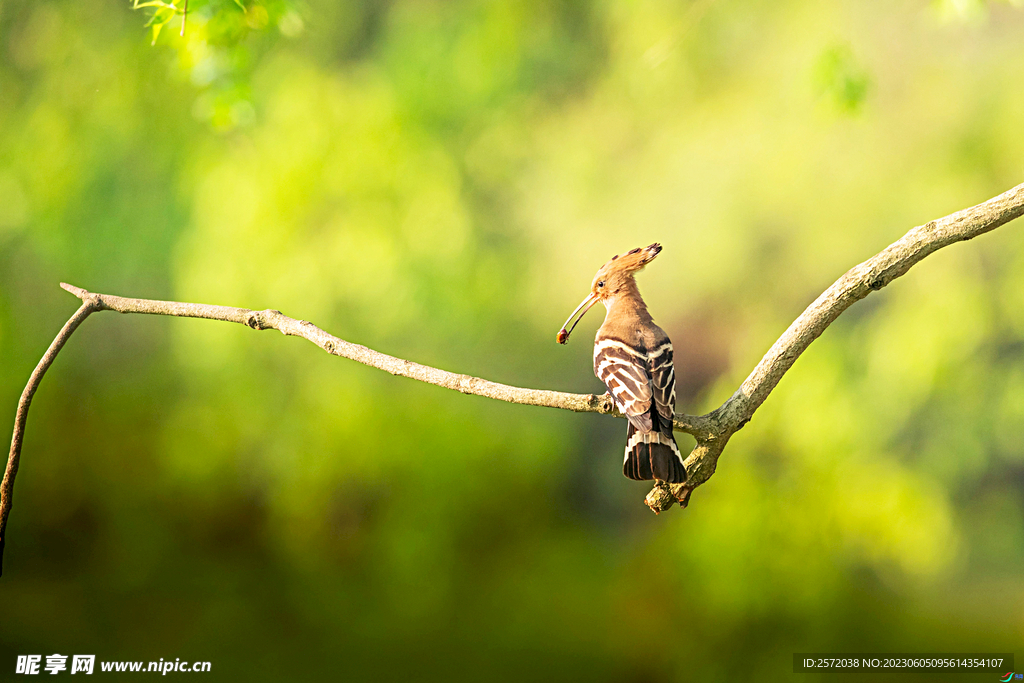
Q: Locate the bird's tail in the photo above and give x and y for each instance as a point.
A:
(653, 455)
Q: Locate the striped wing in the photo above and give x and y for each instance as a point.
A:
(663, 379)
(655, 454)
(624, 371)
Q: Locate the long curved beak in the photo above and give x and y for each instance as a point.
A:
(588, 303)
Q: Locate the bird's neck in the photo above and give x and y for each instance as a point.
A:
(628, 306)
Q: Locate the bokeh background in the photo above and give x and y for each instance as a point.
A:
(439, 181)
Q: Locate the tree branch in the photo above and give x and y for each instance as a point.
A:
(20, 418)
(275, 320)
(869, 276)
(712, 431)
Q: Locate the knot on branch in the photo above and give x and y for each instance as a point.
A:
(468, 384)
(261, 320)
(602, 403)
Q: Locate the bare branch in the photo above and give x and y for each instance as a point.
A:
(869, 276)
(712, 431)
(274, 320)
(20, 418)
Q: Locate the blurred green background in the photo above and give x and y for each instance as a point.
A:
(439, 181)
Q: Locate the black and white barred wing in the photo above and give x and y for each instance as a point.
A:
(624, 371)
(663, 380)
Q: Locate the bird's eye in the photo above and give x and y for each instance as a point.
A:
(601, 283)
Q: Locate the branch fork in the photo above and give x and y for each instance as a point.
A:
(712, 431)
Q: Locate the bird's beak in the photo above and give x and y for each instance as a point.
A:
(563, 334)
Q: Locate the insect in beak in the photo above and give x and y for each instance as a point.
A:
(588, 303)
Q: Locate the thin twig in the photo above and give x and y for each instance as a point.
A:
(712, 431)
(21, 417)
(184, 16)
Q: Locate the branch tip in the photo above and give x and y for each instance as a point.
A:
(77, 291)
(660, 498)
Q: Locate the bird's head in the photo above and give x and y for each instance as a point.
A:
(613, 279)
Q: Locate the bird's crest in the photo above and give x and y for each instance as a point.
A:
(620, 269)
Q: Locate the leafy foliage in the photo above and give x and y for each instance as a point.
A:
(226, 22)
(841, 78)
(213, 50)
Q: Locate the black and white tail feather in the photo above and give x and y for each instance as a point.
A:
(643, 386)
(653, 455)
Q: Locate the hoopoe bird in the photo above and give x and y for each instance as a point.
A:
(633, 357)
